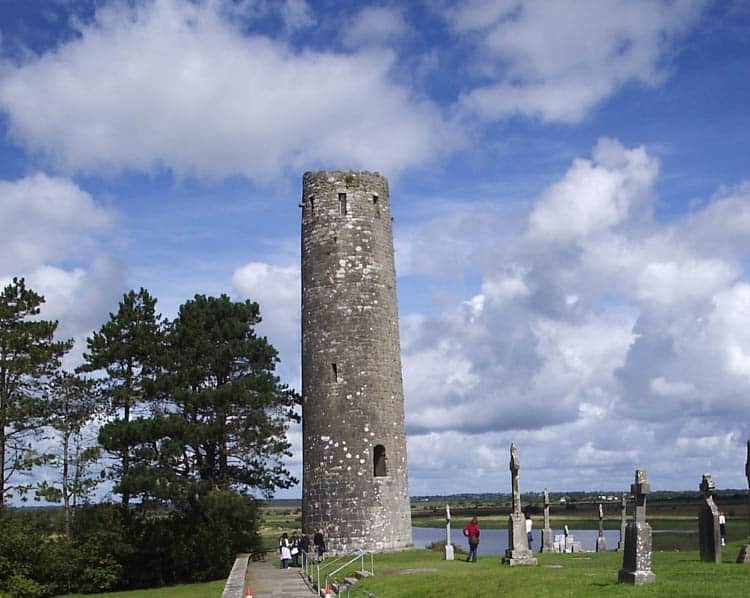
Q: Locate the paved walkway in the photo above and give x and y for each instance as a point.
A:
(268, 581)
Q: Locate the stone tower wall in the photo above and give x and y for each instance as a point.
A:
(352, 390)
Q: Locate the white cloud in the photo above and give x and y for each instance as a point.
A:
(46, 223)
(595, 195)
(277, 291)
(176, 85)
(45, 219)
(600, 340)
(556, 61)
(374, 26)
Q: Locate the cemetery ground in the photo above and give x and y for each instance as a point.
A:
(424, 574)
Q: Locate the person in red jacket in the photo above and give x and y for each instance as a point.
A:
(471, 531)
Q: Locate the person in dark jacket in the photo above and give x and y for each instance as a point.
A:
(471, 531)
(304, 548)
(320, 544)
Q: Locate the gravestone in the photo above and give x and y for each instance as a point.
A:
(744, 556)
(518, 552)
(600, 544)
(636, 558)
(709, 533)
(448, 544)
(623, 521)
(546, 544)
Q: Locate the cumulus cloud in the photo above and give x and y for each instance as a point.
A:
(277, 290)
(556, 61)
(600, 340)
(48, 223)
(595, 195)
(177, 85)
(46, 218)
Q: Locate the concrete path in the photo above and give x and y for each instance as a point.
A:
(268, 581)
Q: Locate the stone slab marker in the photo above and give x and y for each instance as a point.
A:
(623, 521)
(744, 556)
(601, 546)
(448, 544)
(518, 552)
(546, 544)
(709, 533)
(636, 558)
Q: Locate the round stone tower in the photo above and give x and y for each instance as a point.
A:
(355, 482)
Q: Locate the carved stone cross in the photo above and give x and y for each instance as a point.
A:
(707, 486)
(640, 490)
(515, 466)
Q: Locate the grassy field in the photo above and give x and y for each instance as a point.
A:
(424, 574)
(212, 589)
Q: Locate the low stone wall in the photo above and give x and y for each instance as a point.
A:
(235, 586)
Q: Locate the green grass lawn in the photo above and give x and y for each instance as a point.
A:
(424, 574)
(212, 589)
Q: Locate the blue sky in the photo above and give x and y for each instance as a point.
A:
(570, 183)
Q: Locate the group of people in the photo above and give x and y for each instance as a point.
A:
(471, 531)
(290, 549)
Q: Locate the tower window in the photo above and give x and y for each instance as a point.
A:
(312, 204)
(378, 459)
(334, 373)
(376, 203)
(342, 204)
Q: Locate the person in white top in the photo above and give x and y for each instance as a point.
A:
(723, 528)
(284, 551)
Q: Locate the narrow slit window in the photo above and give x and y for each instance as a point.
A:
(342, 204)
(334, 373)
(378, 459)
(312, 205)
(376, 203)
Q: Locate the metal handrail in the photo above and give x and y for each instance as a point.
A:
(358, 555)
(355, 589)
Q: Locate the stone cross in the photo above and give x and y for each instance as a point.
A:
(744, 556)
(636, 557)
(547, 544)
(448, 544)
(600, 544)
(640, 490)
(518, 552)
(709, 534)
(515, 466)
(623, 520)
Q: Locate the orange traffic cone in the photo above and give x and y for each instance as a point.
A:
(248, 592)
(328, 591)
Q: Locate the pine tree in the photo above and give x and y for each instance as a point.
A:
(29, 358)
(125, 350)
(72, 409)
(225, 412)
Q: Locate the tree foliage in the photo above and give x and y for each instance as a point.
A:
(221, 413)
(124, 352)
(29, 358)
(72, 407)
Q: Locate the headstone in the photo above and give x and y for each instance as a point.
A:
(518, 552)
(623, 521)
(448, 544)
(636, 558)
(709, 533)
(600, 544)
(546, 544)
(744, 556)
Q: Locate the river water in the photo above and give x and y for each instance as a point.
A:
(495, 541)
